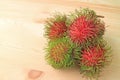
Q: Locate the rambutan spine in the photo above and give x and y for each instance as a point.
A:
(85, 26)
(55, 27)
(59, 53)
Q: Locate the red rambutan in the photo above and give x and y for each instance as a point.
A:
(57, 30)
(83, 29)
(93, 57)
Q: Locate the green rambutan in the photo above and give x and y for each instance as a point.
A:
(59, 53)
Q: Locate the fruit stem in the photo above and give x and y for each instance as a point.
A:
(100, 16)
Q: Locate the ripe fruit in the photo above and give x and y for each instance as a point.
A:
(56, 27)
(93, 56)
(85, 28)
(93, 59)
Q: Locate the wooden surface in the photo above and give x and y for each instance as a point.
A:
(22, 42)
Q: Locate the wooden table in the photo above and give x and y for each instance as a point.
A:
(22, 42)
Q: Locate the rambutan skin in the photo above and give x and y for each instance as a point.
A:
(100, 27)
(57, 30)
(55, 26)
(93, 57)
(59, 53)
(83, 29)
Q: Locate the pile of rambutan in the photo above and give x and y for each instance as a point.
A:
(77, 40)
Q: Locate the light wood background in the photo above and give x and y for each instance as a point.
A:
(22, 42)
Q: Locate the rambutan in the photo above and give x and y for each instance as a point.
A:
(57, 30)
(81, 30)
(84, 27)
(56, 27)
(59, 53)
(93, 57)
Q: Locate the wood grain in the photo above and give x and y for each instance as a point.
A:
(22, 42)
